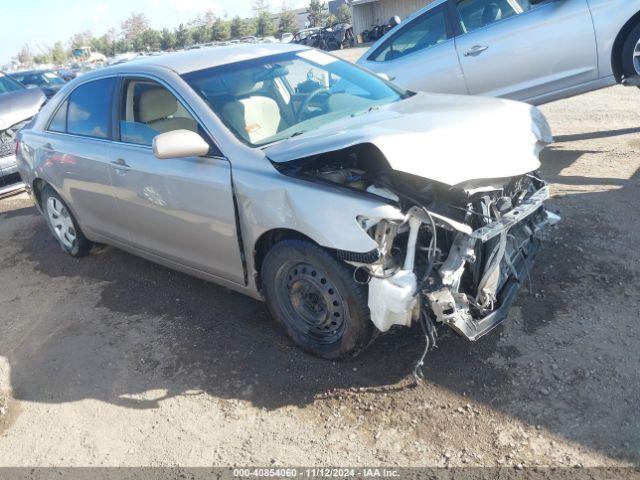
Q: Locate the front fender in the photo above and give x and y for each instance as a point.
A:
(323, 213)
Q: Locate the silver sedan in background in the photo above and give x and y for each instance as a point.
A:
(536, 51)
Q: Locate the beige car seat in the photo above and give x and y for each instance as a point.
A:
(254, 117)
(156, 106)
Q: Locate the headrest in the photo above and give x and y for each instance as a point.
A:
(156, 104)
(242, 83)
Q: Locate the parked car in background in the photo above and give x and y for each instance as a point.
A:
(18, 105)
(286, 38)
(305, 36)
(334, 37)
(531, 50)
(66, 74)
(378, 31)
(350, 206)
(47, 80)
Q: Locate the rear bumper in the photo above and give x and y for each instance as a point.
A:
(5, 191)
(10, 181)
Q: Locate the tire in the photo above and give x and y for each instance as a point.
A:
(63, 225)
(333, 44)
(315, 299)
(629, 67)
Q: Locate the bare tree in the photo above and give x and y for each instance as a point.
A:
(25, 56)
(287, 20)
(259, 6)
(318, 13)
(133, 26)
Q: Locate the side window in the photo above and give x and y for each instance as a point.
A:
(423, 32)
(59, 120)
(476, 14)
(149, 109)
(89, 110)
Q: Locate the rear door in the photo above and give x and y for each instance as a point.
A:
(513, 49)
(75, 153)
(421, 55)
(180, 209)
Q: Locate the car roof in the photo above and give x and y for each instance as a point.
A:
(193, 60)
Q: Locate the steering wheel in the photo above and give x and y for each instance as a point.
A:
(307, 102)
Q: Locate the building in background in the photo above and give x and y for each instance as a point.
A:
(368, 13)
(302, 19)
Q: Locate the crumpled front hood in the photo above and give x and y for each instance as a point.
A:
(18, 106)
(446, 138)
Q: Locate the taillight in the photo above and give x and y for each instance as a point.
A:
(17, 147)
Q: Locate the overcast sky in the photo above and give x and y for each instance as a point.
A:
(42, 22)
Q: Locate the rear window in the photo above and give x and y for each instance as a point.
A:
(59, 121)
(89, 109)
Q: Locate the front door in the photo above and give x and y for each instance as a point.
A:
(179, 209)
(421, 55)
(513, 49)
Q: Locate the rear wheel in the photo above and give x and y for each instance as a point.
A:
(631, 53)
(315, 299)
(62, 224)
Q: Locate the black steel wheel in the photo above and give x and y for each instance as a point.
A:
(314, 298)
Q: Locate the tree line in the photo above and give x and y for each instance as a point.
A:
(136, 35)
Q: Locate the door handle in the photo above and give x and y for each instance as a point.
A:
(121, 166)
(475, 50)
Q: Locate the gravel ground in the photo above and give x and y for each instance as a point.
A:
(112, 360)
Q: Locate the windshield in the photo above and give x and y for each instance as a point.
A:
(8, 84)
(52, 79)
(272, 98)
(38, 79)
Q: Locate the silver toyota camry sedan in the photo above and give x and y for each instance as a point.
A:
(348, 204)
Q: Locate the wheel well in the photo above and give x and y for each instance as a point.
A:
(616, 52)
(38, 186)
(266, 241)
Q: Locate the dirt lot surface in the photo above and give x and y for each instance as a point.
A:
(112, 360)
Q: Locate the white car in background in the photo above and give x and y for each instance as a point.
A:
(530, 50)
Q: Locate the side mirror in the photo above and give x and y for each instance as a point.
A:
(179, 144)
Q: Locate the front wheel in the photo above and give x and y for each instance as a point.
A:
(315, 299)
(631, 53)
(62, 224)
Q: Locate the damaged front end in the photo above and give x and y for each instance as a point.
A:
(454, 255)
(470, 209)
(461, 254)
